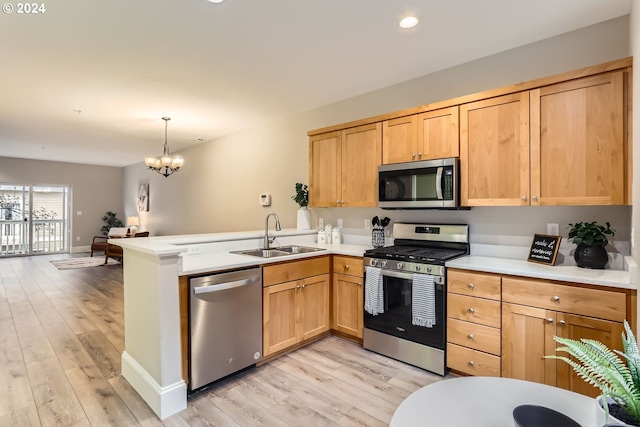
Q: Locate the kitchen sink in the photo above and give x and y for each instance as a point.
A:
(278, 251)
(262, 253)
(294, 249)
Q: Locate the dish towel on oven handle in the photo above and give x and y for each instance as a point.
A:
(373, 294)
(423, 301)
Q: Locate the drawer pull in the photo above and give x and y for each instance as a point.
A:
(550, 320)
(556, 298)
(472, 310)
(470, 336)
(471, 286)
(346, 267)
(471, 363)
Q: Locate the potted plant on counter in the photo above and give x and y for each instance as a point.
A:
(302, 199)
(591, 240)
(617, 379)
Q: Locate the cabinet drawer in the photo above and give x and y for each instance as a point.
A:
(353, 266)
(474, 284)
(472, 335)
(477, 310)
(597, 303)
(294, 270)
(472, 362)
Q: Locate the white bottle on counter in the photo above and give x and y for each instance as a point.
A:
(335, 236)
(327, 232)
(322, 237)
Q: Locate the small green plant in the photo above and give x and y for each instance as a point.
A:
(110, 220)
(302, 194)
(590, 233)
(602, 367)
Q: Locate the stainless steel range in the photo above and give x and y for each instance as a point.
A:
(405, 293)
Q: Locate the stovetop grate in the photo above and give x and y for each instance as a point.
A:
(415, 253)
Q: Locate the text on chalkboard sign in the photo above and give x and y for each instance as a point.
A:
(544, 249)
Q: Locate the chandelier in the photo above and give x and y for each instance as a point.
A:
(165, 165)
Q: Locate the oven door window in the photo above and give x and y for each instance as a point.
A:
(396, 319)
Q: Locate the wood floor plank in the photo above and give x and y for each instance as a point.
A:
(318, 360)
(33, 340)
(100, 401)
(76, 320)
(21, 418)
(357, 418)
(262, 392)
(377, 407)
(15, 389)
(104, 354)
(297, 413)
(243, 410)
(371, 383)
(202, 412)
(321, 401)
(55, 400)
(138, 407)
(412, 379)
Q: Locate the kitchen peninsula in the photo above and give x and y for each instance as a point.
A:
(153, 267)
(152, 359)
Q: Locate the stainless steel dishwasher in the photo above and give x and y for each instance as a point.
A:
(225, 324)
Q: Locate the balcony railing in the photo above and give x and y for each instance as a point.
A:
(48, 236)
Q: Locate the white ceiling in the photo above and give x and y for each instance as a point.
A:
(88, 81)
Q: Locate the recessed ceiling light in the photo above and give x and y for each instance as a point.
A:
(216, 1)
(408, 22)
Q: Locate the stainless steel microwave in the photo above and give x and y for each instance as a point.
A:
(419, 185)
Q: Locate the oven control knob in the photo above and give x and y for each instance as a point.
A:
(399, 266)
(383, 264)
(374, 262)
(416, 267)
(428, 269)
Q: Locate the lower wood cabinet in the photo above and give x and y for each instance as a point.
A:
(529, 324)
(348, 296)
(298, 308)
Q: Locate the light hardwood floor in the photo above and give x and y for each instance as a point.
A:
(62, 333)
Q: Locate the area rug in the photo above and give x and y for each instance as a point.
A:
(71, 263)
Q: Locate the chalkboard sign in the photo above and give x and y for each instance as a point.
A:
(544, 249)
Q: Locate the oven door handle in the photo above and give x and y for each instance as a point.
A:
(439, 280)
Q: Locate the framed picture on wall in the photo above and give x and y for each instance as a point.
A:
(143, 197)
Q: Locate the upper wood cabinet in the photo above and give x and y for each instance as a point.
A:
(425, 136)
(562, 144)
(343, 167)
(578, 142)
(494, 151)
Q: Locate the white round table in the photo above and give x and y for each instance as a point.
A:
(487, 402)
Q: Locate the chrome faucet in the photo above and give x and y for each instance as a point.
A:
(267, 240)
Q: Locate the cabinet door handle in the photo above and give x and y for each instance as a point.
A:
(562, 322)
(472, 310)
(535, 198)
(470, 336)
(550, 320)
(524, 198)
(471, 285)
(556, 298)
(419, 155)
(471, 363)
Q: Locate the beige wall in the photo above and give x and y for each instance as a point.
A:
(218, 188)
(94, 189)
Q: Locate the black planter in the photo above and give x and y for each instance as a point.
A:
(591, 256)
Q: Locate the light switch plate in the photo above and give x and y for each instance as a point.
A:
(553, 229)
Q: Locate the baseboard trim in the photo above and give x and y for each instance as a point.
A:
(164, 401)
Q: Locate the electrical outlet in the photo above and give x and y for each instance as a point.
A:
(77, 238)
(553, 229)
(340, 223)
(321, 222)
(367, 224)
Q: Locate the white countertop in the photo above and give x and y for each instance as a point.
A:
(614, 278)
(202, 253)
